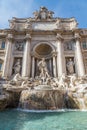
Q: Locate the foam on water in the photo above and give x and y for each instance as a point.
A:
(47, 111)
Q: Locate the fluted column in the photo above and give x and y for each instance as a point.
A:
(60, 55)
(50, 67)
(27, 57)
(54, 64)
(79, 57)
(7, 68)
(33, 66)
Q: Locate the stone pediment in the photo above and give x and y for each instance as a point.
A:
(43, 20)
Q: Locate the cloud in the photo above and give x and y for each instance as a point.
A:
(24, 8)
(71, 8)
(14, 8)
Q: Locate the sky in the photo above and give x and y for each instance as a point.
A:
(25, 9)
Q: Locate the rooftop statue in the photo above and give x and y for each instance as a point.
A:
(43, 14)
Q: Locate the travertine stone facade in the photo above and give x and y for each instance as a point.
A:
(28, 40)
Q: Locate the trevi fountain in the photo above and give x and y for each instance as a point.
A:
(43, 68)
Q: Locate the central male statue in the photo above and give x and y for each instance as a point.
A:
(43, 68)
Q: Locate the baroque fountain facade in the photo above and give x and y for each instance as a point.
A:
(43, 63)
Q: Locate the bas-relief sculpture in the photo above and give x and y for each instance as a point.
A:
(19, 46)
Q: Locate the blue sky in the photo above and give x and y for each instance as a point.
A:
(25, 8)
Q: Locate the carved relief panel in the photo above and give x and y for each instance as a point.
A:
(19, 45)
(69, 45)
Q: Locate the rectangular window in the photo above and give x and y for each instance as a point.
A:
(0, 66)
(3, 45)
(84, 45)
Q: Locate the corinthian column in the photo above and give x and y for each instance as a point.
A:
(79, 57)
(33, 66)
(7, 68)
(54, 64)
(60, 55)
(27, 57)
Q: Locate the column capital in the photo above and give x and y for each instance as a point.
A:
(54, 53)
(77, 37)
(10, 37)
(28, 36)
(59, 37)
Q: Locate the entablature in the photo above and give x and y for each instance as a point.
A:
(43, 20)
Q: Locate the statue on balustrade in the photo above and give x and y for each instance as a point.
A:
(70, 66)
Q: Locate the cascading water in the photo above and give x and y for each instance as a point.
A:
(1, 91)
(82, 103)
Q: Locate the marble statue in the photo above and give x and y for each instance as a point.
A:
(12, 25)
(43, 68)
(70, 66)
(43, 14)
(50, 14)
(15, 81)
(73, 80)
(17, 77)
(36, 15)
(58, 23)
(63, 81)
(17, 66)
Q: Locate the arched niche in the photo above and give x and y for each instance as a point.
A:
(43, 50)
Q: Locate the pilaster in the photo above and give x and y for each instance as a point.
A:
(79, 57)
(7, 68)
(60, 55)
(27, 57)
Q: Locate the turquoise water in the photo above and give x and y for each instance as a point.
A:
(20, 120)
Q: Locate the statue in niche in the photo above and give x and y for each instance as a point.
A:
(70, 66)
(17, 66)
(43, 68)
(19, 46)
